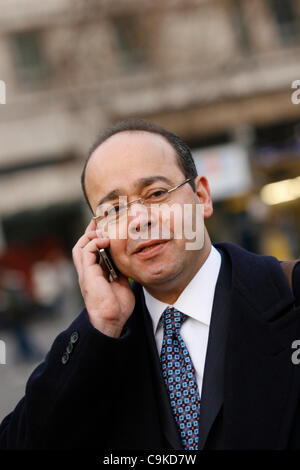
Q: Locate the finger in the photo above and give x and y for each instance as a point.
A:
(77, 250)
(91, 234)
(86, 238)
(89, 252)
(91, 265)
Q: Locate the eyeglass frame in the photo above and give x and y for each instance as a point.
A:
(141, 200)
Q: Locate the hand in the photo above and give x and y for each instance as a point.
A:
(109, 304)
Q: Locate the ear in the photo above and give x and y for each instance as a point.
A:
(203, 193)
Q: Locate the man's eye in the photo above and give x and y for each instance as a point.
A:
(157, 194)
(113, 210)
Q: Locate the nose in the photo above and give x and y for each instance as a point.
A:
(139, 218)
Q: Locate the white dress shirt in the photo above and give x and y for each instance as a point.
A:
(196, 302)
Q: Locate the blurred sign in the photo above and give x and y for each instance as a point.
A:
(2, 92)
(226, 167)
(2, 352)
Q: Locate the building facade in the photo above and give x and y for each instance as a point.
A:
(216, 72)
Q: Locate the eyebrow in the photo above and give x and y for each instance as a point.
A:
(138, 185)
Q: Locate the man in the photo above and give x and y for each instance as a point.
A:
(195, 354)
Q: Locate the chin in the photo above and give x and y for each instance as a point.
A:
(159, 276)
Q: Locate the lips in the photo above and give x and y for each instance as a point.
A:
(145, 251)
(144, 247)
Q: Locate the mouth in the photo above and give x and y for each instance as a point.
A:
(150, 249)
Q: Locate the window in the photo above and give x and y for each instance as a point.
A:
(286, 18)
(132, 41)
(30, 63)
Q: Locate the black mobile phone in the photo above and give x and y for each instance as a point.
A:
(112, 270)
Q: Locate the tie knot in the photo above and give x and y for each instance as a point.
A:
(172, 320)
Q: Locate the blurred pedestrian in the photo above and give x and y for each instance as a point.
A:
(16, 309)
(53, 280)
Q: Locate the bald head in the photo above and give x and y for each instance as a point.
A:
(182, 152)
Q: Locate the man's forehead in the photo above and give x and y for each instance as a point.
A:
(132, 145)
(127, 157)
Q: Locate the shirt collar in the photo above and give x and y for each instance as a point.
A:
(196, 300)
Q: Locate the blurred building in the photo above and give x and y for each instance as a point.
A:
(218, 73)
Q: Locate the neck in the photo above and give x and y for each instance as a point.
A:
(171, 290)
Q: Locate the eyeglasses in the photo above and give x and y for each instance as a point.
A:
(113, 214)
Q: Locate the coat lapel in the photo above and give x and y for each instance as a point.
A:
(212, 394)
(258, 368)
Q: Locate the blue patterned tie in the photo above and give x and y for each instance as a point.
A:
(180, 378)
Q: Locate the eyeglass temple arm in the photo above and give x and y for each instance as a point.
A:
(141, 199)
(180, 184)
